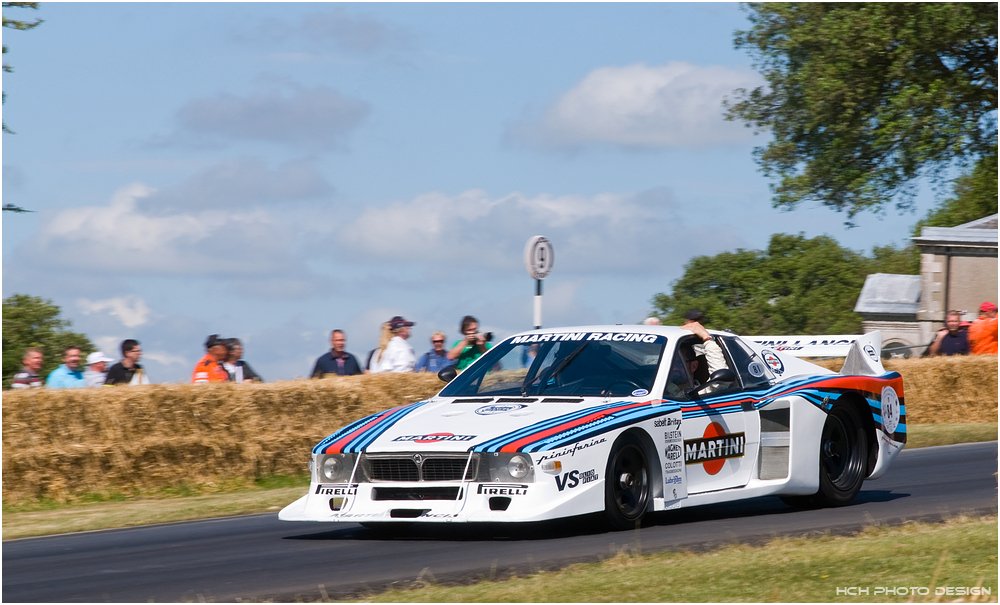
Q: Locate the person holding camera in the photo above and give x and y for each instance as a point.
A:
(472, 346)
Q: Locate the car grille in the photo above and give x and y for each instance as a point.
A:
(419, 467)
(416, 493)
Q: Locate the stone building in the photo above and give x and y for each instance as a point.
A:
(958, 271)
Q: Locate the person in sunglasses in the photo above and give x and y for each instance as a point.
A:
(436, 359)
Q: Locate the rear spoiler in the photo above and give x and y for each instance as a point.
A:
(810, 346)
(863, 353)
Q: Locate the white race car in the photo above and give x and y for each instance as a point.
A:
(621, 419)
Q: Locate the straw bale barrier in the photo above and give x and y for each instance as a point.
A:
(62, 444)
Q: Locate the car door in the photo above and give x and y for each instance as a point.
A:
(721, 431)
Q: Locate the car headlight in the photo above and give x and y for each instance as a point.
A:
(518, 467)
(507, 467)
(334, 468)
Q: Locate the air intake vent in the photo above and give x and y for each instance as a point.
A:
(393, 469)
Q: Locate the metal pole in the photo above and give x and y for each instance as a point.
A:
(538, 304)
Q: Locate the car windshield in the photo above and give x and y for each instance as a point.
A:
(566, 364)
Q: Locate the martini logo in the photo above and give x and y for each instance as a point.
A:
(435, 437)
(714, 448)
(890, 410)
(771, 359)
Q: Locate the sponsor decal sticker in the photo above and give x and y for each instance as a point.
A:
(714, 448)
(571, 450)
(870, 352)
(772, 360)
(640, 393)
(502, 489)
(337, 490)
(575, 478)
(890, 410)
(673, 451)
(434, 438)
(503, 408)
(671, 421)
(577, 336)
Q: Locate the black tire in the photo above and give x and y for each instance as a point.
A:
(843, 452)
(627, 484)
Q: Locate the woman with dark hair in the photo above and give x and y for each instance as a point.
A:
(239, 370)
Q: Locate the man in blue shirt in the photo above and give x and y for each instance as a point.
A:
(68, 375)
(436, 359)
(336, 360)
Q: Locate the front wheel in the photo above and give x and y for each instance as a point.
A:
(627, 478)
(842, 455)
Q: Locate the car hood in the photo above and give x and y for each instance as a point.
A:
(461, 424)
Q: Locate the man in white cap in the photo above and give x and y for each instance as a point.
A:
(97, 366)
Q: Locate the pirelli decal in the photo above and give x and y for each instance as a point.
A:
(714, 448)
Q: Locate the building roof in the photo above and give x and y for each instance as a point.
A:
(888, 294)
(980, 233)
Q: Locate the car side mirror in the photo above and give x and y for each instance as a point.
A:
(448, 374)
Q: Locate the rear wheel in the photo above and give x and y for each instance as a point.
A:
(627, 489)
(842, 451)
(842, 455)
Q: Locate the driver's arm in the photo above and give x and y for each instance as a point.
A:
(713, 355)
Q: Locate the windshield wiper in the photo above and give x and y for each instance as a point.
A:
(543, 381)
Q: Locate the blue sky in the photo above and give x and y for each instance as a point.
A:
(274, 171)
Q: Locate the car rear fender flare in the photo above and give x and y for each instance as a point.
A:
(655, 464)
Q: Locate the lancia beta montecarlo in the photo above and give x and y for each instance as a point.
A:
(624, 420)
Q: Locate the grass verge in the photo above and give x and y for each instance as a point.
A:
(959, 554)
(185, 503)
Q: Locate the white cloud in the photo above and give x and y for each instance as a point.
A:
(609, 232)
(131, 311)
(677, 105)
(124, 239)
(167, 359)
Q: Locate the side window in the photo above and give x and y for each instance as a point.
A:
(679, 379)
(748, 366)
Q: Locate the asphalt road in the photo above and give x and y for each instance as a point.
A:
(257, 557)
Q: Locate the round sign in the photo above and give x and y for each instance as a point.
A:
(890, 410)
(538, 257)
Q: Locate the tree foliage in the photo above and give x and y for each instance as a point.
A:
(862, 98)
(30, 321)
(796, 286)
(974, 197)
(21, 25)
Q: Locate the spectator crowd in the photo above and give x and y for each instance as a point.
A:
(223, 360)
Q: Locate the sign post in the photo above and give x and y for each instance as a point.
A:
(538, 258)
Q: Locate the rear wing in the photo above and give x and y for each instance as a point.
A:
(810, 346)
(863, 353)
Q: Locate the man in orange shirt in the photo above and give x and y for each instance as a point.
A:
(209, 368)
(983, 331)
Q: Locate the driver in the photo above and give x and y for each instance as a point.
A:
(677, 383)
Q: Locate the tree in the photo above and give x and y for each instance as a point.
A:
(796, 286)
(863, 98)
(974, 197)
(29, 321)
(21, 25)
